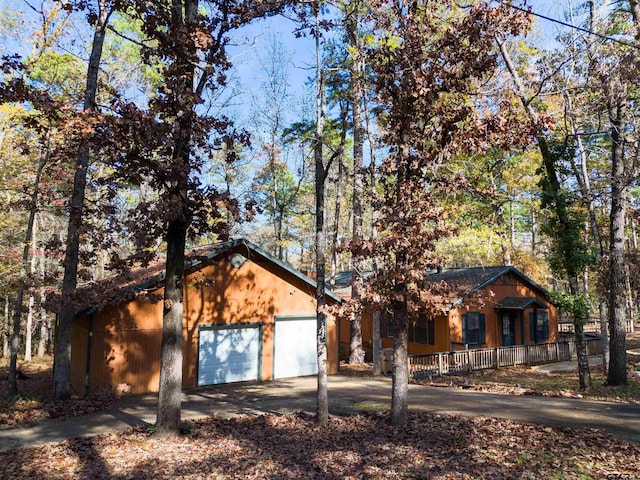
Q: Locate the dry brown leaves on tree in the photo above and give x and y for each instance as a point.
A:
(362, 446)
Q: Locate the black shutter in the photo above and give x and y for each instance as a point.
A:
(464, 328)
(481, 335)
(532, 326)
(431, 331)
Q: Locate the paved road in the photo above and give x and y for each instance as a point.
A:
(347, 395)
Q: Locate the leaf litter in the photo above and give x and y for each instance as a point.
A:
(362, 446)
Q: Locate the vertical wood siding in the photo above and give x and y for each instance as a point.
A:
(126, 338)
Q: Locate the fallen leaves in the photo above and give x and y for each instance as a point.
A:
(35, 404)
(523, 380)
(354, 447)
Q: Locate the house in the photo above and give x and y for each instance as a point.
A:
(498, 306)
(247, 316)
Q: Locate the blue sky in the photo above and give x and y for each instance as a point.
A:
(251, 43)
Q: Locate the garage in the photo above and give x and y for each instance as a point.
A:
(228, 354)
(295, 347)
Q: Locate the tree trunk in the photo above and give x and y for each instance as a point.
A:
(533, 234)
(356, 351)
(512, 225)
(560, 210)
(400, 381)
(44, 322)
(322, 416)
(336, 224)
(28, 336)
(588, 197)
(170, 391)
(631, 313)
(505, 243)
(22, 279)
(377, 345)
(62, 364)
(619, 197)
(168, 417)
(377, 340)
(28, 331)
(5, 336)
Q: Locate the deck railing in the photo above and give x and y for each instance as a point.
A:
(443, 363)
(592, 326)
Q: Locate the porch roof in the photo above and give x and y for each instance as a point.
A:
(519, 303)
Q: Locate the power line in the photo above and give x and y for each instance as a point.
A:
(575, 27)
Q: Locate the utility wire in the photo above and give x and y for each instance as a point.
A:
(575, 27)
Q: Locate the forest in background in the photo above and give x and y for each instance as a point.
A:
(517, 150)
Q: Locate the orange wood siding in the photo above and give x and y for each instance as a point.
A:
(441, 333)
(127, 338)
(79, 339)
(448, 327)
(492, 295)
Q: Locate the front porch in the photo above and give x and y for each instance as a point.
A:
(443, 363)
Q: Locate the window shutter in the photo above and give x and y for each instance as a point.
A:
(481, 335)
(532, 326)
(431, 331)
(464, 328)
(546, 326)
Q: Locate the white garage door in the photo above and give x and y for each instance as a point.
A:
(228, 355)
(295, 347)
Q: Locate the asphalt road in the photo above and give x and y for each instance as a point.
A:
(347, 395)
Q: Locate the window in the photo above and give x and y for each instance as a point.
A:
(539, 323)
(386, 324)
(422, 331)
(473, 328)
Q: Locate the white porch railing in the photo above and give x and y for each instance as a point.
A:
(592, 326)
(443, 363)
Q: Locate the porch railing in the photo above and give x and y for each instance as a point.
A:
(592, 326)
(443, 363)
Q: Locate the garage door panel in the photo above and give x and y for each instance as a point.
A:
(295, 347)
(228, 355)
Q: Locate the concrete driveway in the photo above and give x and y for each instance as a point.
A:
(347, 395)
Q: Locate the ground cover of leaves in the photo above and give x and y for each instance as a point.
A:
(355, 447)
(34, 402)
(524, 380)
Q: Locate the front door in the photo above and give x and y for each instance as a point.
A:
(508, 330)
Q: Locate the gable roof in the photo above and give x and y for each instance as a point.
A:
(519, 303)
(475, 279)
(132, 284)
